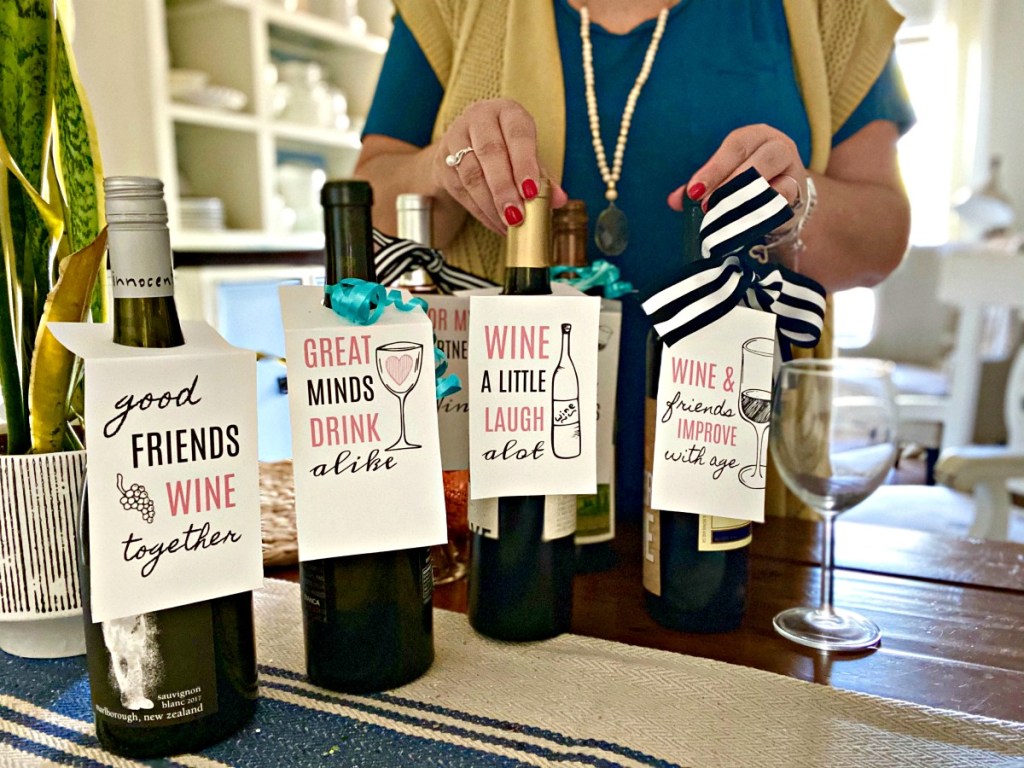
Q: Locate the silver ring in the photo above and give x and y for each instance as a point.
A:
(452, 161)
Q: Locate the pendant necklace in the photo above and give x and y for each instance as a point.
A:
(611, 232)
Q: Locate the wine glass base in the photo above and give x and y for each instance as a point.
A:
(401, 445)
(753, 476)
(836, 631)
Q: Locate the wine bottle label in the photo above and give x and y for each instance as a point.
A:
(140, 263)
(427, 581)
(652, 518)
(595, 515)
(483, 517)
(154, 669)
(721, 533)
(314, 592)
(559, 517)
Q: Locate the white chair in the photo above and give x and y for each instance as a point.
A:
(938, 402)
(991, 473)
(915, 330)
(973, 281)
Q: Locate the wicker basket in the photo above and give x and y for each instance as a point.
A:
(277, 510)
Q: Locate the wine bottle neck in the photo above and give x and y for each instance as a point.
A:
(348, 236)
(529, 244)
(414, 223)
(139, 255)
(529, 249)
(527, 281)
(569, 225)
(566, 334)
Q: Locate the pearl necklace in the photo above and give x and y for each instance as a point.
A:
(612, 230)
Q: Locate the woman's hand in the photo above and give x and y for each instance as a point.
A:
(767, 149)
(502, 171)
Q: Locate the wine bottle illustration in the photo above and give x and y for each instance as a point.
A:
(566, 442)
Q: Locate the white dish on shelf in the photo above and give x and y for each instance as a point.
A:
(202, 213)
(182, 82)
(217, 97)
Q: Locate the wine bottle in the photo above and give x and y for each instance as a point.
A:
(415, 222)
(595, 512)
(367, 619)
(450, 560)
(206, 649)
(695, 566)
(520, 582)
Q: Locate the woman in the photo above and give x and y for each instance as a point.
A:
(796, 88)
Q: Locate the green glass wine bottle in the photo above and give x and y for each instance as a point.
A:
(520, 576)
(595, 512)
(139, 666)
(368, 619)
(695, 566)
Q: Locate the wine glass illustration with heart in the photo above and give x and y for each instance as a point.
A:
(398, 365)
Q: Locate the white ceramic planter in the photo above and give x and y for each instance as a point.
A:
(40, 603)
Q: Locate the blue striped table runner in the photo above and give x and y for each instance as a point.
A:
(571, 701)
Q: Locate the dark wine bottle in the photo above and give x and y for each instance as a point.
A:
(595, 512)
(206, 649)
(367, 619)
(520, 583)
(695, 566)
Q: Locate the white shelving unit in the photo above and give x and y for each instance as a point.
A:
(125, 49)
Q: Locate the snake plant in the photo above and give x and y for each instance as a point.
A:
(51, 221)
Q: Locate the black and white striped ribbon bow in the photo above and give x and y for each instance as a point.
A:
(740, 213)
(394, 257)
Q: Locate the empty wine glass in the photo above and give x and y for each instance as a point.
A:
(758, 355)
(398, 365)
(833, 441)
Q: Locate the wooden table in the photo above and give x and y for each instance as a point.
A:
(951, 613)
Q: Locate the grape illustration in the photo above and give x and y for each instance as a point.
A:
(135, 498)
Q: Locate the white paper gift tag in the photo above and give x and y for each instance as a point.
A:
(364, 429)
(713, 408)
(174, 507)
(449, 316)
(533, 395)
(609, 334)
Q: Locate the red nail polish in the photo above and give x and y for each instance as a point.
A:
(704, 206)
(513, 215)
(696, 191)
(529, 189)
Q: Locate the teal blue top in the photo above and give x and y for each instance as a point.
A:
(722, 64)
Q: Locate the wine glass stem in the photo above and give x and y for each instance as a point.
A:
(827, 553)
(401, 416)
(762, 449)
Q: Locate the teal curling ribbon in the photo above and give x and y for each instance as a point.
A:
(601, 274)
(362, 302)
(445, 385)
